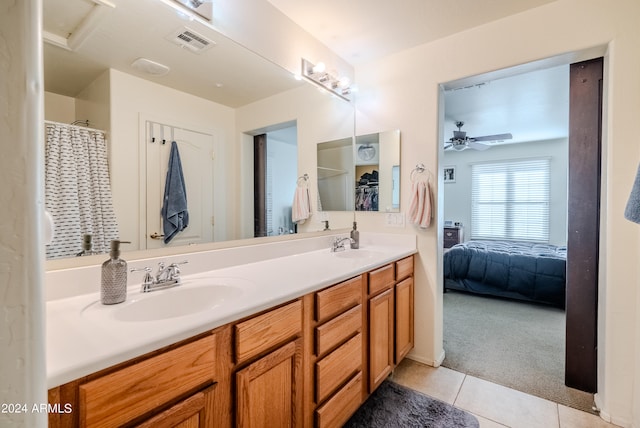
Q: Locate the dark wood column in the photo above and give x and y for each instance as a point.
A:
(585, 136)
(259, 185)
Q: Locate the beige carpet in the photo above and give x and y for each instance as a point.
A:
(515, 344)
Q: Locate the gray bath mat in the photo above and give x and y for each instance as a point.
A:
(392, 405)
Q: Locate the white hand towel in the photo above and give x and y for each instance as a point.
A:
(301, 207)
(425, 221)
(413, 207)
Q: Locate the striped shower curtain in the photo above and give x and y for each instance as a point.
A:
(77, 190)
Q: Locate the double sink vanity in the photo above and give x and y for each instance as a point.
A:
(277, 334)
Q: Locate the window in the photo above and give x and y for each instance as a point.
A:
(510, 200)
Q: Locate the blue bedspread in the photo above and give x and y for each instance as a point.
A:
(520, 270)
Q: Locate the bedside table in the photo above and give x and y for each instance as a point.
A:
(452, 236)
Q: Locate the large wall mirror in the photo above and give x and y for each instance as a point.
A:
(147, 75)
(361, 173)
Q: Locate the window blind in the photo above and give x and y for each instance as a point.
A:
(510, 200)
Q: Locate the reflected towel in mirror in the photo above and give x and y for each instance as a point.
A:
(301, 208)
(175, 216)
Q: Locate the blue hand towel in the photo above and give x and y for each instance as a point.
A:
(632, 210)
(175, 216)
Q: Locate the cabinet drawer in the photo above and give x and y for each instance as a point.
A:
(339, 408)
(335, 300)
(119, 397)
(188, 413)
(333, 332)
(404, 268)
(268, 330)
(334, 369)
(381, 279)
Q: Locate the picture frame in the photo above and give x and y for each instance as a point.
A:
(450, 174)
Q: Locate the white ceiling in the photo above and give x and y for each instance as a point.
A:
(226, 73)
(363, 30)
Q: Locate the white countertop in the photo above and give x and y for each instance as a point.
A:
(84, 337)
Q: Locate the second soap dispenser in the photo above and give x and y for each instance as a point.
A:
(113, 288)
(355, 237)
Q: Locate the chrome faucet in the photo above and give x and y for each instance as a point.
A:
(167, 276)
(338, 244)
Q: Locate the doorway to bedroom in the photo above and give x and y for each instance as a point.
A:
(506, 175)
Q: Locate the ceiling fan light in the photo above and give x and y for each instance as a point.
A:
(459, 147)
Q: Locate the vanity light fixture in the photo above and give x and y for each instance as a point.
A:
(316, 73)
(204, 8)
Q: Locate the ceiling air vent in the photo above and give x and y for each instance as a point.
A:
(189, 39)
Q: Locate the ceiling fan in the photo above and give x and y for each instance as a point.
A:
(460, 141)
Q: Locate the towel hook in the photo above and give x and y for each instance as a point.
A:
(304, 177)
(420, 168)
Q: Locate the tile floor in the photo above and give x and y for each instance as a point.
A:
(494, 405)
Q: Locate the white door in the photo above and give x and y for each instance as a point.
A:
(196, 154)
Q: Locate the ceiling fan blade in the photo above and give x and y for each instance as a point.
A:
(497, 137)
(447, 145)
(478, 146)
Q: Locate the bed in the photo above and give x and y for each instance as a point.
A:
(517, 270)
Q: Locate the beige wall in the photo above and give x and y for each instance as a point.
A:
(93, 103)
(401, 91)
(59, 108)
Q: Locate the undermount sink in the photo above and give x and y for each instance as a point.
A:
(176, 302)
(356, 254)
(171, 303)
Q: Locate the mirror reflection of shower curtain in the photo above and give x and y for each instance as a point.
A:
(77, 190)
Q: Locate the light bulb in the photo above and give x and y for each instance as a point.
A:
(319, 67)
(344, 82)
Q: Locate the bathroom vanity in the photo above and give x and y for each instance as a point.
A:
(302, 346)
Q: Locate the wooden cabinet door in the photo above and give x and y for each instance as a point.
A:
(192, 412)
(404, 318)
(269, 390)
(380, 338)
(124, 395)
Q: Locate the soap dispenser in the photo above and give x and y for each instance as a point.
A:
(113, 288)
(87, 246)
(355, 237)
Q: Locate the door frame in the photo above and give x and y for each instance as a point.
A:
(568, 59)
(583, 223)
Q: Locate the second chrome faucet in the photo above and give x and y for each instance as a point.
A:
(338, 243)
